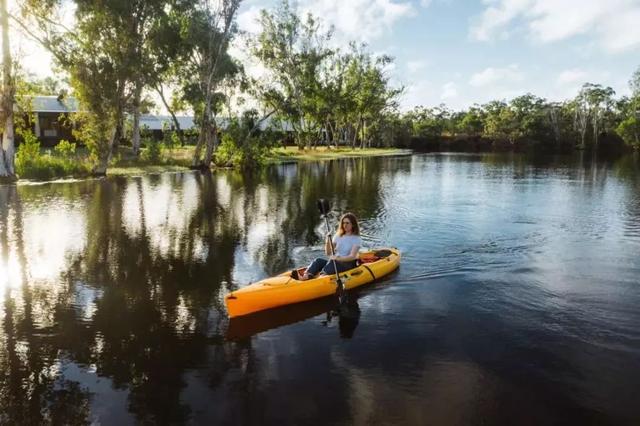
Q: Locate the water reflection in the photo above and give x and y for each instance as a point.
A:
(518, 278)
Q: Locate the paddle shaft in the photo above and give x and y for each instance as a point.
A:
(333, 253)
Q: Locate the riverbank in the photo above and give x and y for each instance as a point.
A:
(179, 159)
(292, 153)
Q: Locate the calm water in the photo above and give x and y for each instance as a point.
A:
(517, 301)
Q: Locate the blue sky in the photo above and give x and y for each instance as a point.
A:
(462, 52)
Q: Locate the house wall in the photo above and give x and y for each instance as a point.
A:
(52, 127)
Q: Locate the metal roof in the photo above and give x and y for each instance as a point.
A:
(68, 104)
(54, 104)
(159, 122)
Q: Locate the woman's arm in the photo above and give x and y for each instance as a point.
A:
(327, 245)
(353, 255)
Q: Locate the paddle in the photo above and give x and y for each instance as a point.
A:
(324, 207)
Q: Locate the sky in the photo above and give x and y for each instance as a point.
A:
(462, 52)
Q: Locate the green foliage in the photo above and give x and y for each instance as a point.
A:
(65, 149)
(94, 133)
(154, 150)
(249, 155)
(242, 149)
(472, 122)
(317, 89)
(629, 131)
(170, 139)
(31, 163)
(28, 152)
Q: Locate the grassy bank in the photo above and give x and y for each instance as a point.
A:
(171, 160)
(323, 153)
(49, 165)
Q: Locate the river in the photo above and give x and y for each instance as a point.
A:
(517, 300)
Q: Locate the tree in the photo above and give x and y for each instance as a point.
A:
(600, 100)
(472, 122)
(501, 121)
(107, 56)
(293, 50)
(531, 117)
(7, 150)
(629, 127)
(209, 31)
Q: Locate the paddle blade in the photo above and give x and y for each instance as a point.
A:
(323, 206)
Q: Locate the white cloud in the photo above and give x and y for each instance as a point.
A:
(425, 3)
(353, 20)
(248, 20)
(614, 23)
(572, 76)
(415, 66)
(449, 90)
(418, 93)
(490, 76)
(622, 33)
(496, 16)
(361, 20)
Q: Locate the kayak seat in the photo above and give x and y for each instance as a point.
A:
(297, 273)
(367, 259)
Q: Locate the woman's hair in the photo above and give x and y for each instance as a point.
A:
(355, 229)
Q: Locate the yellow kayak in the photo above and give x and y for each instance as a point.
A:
(284, 290)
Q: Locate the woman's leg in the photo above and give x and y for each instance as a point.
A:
(315, 267)
(342, 266)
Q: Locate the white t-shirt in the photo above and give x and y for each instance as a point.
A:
(345, 243)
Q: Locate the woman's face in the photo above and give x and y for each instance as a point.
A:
(347, 226)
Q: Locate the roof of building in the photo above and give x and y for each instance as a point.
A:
(160, 122)
(54, 104)
(68, 104)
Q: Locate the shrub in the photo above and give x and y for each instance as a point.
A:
(65, 149)
(153, 151)
(247, 155)
(28, 152)
(31, 163)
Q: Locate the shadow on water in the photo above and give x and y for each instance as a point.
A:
(347, 314)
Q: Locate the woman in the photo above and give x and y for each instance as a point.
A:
(346, 245)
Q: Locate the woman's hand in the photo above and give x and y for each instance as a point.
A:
(333, 257)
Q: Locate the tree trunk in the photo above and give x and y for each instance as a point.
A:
(212, 143)
(135, 132)
(355, 136)
(204, 140)
(595, 129)
(7, 150)
(176, 124)
(105, 157)
(103, 164)
(195, 162)
(363, 143)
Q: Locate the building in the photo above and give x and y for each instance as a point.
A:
(50, 114)
(51, 124)
(51, 120)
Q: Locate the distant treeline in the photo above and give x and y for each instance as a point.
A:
(594, 119)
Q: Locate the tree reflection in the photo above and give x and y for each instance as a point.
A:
(141, 299)
(31, 391)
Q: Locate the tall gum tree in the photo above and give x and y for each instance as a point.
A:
(293, 51)
(7, 150)
(210, 28)
(109, 56)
